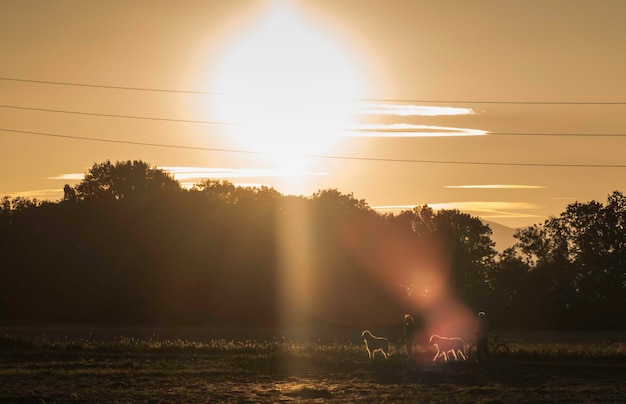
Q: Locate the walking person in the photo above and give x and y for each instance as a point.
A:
(481, 331)
(409, 335)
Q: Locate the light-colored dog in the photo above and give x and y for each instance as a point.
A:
(374, 344)
(445, 345)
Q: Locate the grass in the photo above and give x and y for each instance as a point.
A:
(596, 349)
(80, 369)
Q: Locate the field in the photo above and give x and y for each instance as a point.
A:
(140, 364)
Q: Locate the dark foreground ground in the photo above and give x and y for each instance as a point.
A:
(225, 371)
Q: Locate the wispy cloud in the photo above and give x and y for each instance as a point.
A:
(495, 186)
(249, 184)
(480, 208)
(401, 129)
(409, 130)
(190, 185)
(189, 176)
(484, 206)
(69, 177)
(44, 194)
(368, 108)
(394, 207)
(200, 173)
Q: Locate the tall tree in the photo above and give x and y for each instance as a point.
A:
(577, 261)
(450, 245)
(125, 180)
(468, 242)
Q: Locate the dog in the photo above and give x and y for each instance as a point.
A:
(445, 345)
(375, 344)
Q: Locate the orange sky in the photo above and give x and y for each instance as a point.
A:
(298, 81)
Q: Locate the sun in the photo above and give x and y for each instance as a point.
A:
(287, 87)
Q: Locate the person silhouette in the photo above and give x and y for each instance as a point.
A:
(481, 331)
(409, 335)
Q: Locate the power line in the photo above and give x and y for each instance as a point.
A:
(352, 130)
(129, 142)
(501, 133)
(501, 102)
(354, 158)
(62, 83)
(558, 134)
(419, 101)
(115, 115)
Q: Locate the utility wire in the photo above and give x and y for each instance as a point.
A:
(504, 102)
(115, 115)
(352, 130)
(392, 160)
(501, 102)
(558, 134)
(130, 142)
(62, 83)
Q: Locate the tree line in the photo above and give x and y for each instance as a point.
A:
(129, 244)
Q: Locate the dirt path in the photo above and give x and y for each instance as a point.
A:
(195, 378)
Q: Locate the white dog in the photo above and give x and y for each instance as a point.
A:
(445, 345)
(373, 344)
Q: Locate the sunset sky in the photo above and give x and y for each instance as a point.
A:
(508, 110)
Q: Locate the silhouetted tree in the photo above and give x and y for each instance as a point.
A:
(69, 193)
(576, 263)
(129, 179)
(456, 243)
(468, 241)
(129, 244)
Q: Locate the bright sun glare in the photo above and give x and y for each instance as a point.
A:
(287, 87)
